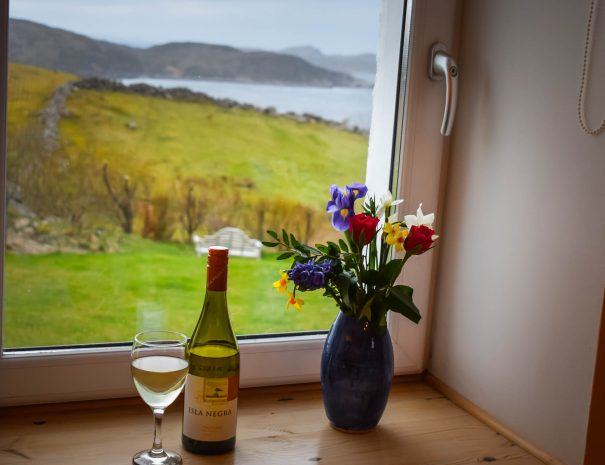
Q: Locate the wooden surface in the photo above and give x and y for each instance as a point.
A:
(595, 445)
(281, 426)
(492, 422)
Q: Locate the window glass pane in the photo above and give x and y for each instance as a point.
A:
(135, 127)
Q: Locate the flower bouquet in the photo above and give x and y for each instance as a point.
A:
(359, 272)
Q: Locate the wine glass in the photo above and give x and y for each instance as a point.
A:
(158, 361)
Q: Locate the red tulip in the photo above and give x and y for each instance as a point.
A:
(419, 239)
(363, 228)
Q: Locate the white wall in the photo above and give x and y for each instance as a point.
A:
(522, 264)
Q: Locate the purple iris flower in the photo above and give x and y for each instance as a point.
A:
(310, 276)
(342, 203)
(358, 191)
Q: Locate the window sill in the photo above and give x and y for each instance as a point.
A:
(278, 425)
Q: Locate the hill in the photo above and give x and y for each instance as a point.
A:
(363, 64)
(175, 139)
(59, 50)
(228, 165)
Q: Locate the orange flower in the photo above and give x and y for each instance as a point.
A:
(282, 283)
(294, 301)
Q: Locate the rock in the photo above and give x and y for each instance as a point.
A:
(25, 246)
(22, 223)
(51, 115)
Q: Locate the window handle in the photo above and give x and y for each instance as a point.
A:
(443, 67)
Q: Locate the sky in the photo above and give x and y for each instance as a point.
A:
(333, 26)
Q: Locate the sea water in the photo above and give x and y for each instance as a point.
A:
(349, 105)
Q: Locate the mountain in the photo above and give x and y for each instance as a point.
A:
(56, 49)
(38, 45)
(363, 64)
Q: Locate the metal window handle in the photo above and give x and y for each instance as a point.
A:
(442, 66)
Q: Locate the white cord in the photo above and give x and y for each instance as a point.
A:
(592, 14)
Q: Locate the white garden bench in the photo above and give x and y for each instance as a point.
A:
(236, 240)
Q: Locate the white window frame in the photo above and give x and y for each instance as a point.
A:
(92, 373)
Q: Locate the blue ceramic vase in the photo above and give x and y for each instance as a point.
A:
(356, 374)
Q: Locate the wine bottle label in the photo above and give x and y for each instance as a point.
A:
(210, 408)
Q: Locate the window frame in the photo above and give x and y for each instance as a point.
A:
(39, 376)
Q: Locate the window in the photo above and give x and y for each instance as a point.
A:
(128, 143)
(95, 372)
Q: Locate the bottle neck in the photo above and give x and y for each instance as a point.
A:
(216, 275)
(214, 327)
(215, 314)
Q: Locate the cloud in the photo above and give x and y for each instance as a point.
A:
(334, 26)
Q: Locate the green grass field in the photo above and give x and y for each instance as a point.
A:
(29, 89)
(61, 299)
(69, 299)
(179, 140)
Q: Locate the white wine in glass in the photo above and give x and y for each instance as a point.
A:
(159, 366)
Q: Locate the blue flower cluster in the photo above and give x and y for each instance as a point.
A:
(310, 276)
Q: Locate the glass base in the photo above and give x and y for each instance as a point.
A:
(148, 457)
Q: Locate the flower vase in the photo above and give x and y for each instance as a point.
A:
(356, 374)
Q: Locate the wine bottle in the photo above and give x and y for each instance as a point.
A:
(211, 390)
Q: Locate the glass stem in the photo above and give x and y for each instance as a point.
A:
(157, 450)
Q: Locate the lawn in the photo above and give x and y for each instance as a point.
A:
(62, 299)
(268, 166)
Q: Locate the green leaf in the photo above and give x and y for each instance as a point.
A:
(383, 320)
(352, 245)
(374, 278)
(284, 256)
(400, 301)
(333, 248)
(270, 244)
(392, 269)
(366, 311)
(370, 277)
(304, 249)
(343, 282)
(294, 241)
(322, 248)
(273, 234)
(343, 245)
(285, 237)
(401, 288)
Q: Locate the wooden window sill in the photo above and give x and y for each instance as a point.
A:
(282, 426)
